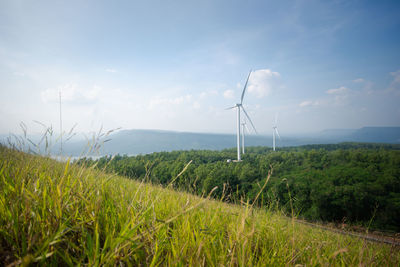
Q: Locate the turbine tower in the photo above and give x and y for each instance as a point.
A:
(275, 130)
(239, 106)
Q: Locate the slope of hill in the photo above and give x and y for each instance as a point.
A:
(54, 213)
(350, 182)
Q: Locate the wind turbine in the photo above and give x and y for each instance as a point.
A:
(244, 128)
(275, 130)
(61, 133)
(239, 106)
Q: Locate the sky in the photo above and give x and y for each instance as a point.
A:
(177, 65)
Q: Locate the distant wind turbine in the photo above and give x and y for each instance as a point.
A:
(275, 130)
(61, 133)
(239, 107)
(244, 128)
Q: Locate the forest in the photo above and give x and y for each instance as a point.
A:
(355, 183)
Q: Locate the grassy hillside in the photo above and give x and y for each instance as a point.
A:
(54, 213)
(352, 183)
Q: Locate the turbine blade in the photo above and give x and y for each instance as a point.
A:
(276, 118)
(276, 130)
(247, 115)
(244, 89)
(230, 108)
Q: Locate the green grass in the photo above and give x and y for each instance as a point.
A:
(54, 213)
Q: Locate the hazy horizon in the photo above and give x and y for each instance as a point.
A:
(177, 66)
(82, 135)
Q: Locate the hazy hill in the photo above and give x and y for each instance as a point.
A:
(377, 134)
(133, 142)
(366, 134)
(147, 141)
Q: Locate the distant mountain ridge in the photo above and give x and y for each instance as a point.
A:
(378, 134)
(366, 134)
(133, 142)
(148, 141)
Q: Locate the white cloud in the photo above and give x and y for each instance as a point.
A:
(202, 95)
(359, 80)
(395, 84)
(229, 94)
(339, 96)
(396, 75)
(305, 104)
(20, 74)
(367, 85)
(111, 70)
(196, 105)
(163, 102)
(339, 90)
(222, 53)
(263, 82)
(308, 103)
(206, 94)
(92, 93)
(70, 94)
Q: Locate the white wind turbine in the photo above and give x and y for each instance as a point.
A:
(239, 106)
(275, 131)
(244, 128)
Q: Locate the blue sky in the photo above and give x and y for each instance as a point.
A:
(176, 65)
